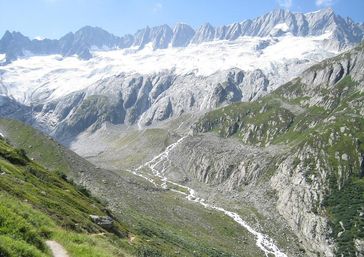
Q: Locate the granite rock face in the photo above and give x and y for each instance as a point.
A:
(145, 99)
(182, 35)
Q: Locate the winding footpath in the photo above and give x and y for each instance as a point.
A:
(56, 249)
(158, 166)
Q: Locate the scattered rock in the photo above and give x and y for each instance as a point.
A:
(105, 222)
(359, 245)
(344, 157)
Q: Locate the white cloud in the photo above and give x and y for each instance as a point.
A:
(324, 2)
(157, 7)
(287, 4)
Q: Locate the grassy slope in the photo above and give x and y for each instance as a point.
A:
(334, 129)
(41, 148)
(37, 204)
(24, 229)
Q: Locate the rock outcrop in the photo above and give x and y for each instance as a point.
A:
(105, 222)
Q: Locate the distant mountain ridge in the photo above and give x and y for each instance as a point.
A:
(345, 33)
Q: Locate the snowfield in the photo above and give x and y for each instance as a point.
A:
(43, 78)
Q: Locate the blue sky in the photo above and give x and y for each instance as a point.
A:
(54, 18)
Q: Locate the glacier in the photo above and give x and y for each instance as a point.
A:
(55, 76)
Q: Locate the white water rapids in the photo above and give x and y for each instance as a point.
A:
(265, 243)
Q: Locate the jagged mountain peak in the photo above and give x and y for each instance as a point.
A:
(164, 28)
(96, 37)
(7, 34)
(182, 35)
(91, 32)
(206, 32)
(182, 27)
(14, 35)
(89, 28)
(206, 25)
(14, 44)
(158, 36)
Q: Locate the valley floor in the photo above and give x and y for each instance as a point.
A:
(131, 148)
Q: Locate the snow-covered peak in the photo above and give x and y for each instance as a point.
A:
(345, 33)
(159, 37)
(182, 35)
(204, 33)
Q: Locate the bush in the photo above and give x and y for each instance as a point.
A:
(83, 190)
(14, 157)
(10, 248)
(61, 175)
(148, 251)
(16, 227)
(344, 206)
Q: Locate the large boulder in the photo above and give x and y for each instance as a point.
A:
(105, 222)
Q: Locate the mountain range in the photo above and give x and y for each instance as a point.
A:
(345, 33)
(146, 78)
